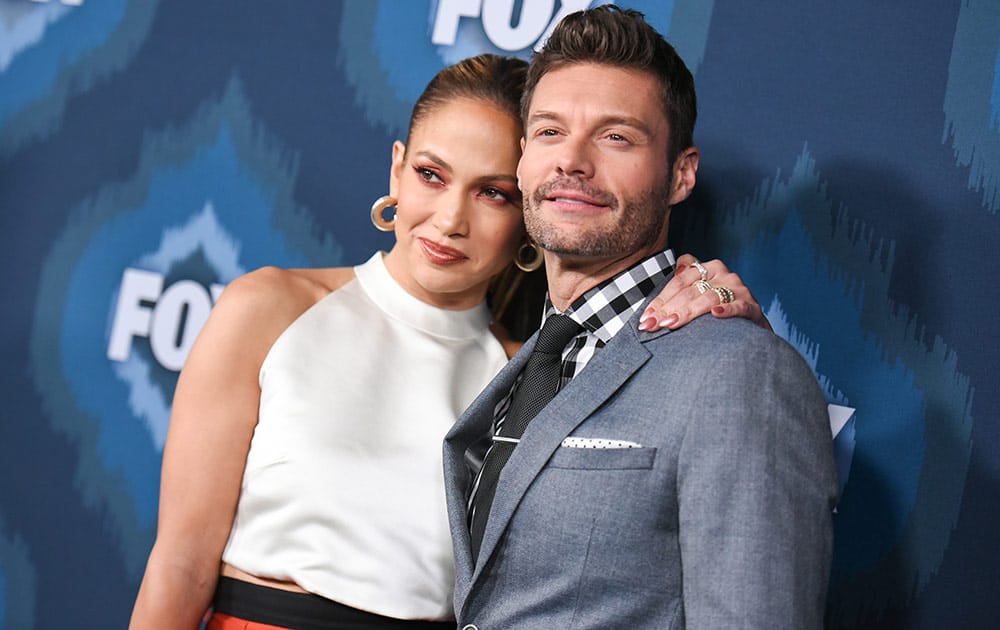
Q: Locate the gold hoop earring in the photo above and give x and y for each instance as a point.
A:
(378, 220)
(529, 256)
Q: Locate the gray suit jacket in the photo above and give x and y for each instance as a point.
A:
(721, 519)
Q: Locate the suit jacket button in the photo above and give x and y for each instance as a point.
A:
(470, 626)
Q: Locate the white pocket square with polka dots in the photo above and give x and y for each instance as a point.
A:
(586, 442)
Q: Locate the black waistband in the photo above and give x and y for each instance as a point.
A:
(303, 611)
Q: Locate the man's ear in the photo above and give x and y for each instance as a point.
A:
(396, 171)
(685, 175)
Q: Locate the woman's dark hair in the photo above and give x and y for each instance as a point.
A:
(621, 37)
(492, 78)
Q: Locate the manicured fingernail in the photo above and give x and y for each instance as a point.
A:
(670, 320)
(647, 321)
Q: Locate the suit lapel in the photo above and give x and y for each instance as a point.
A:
(470, 427)
(602, 377)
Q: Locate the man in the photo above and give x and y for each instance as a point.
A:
(614, 509)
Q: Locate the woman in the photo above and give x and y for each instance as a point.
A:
(304, 450)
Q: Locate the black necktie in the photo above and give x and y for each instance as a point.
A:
(539, 383)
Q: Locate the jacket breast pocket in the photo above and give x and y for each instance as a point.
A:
(603, 458)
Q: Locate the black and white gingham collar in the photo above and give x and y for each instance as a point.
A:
(605, 309)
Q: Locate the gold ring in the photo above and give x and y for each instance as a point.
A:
(703, 286)
(701, 269)
(725, 294)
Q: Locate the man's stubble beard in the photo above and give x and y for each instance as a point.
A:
(638, 225)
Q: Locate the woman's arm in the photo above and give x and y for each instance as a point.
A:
(681, 301)
(212, 421)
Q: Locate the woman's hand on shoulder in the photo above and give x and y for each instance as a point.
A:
(682, 300)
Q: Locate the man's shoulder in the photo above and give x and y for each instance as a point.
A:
(732, 345)
(710, 333)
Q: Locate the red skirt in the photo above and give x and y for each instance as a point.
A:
(219, 621)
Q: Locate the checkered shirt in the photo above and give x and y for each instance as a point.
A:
(602, 311)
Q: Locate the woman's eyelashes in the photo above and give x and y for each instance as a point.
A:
(428, 175)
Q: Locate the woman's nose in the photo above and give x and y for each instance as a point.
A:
(451, 216)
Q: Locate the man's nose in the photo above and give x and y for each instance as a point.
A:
(575, 157)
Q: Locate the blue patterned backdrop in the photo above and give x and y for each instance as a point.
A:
(151, 151)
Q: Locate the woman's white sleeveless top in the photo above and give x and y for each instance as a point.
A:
(343, 491)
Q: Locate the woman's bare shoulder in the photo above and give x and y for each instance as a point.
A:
(267, 300)
(327, 279)
(283, 286)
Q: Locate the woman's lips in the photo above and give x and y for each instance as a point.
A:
(441, 254)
